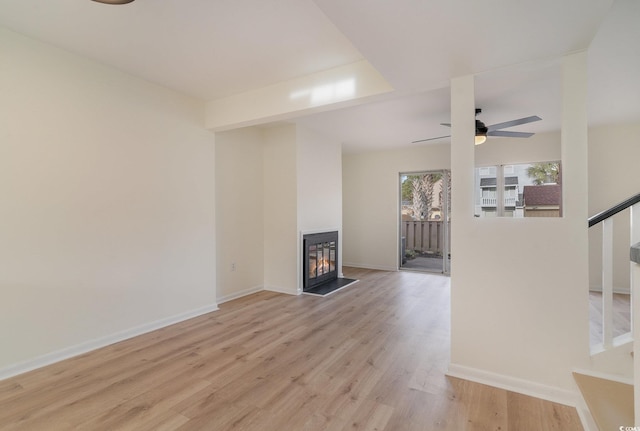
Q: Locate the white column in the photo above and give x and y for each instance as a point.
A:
(462, 202)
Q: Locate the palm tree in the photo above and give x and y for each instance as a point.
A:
(419, 192)
(544, 173)
(428, 187)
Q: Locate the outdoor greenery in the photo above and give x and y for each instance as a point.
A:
(410, 254)
(544, 173)
(418, 191)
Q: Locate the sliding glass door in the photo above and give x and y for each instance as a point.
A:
(424, 231)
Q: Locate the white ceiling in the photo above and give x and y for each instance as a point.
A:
(215, 48)
(205, 48)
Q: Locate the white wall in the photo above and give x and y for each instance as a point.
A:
(613, 151)
(107, 208)
(541, 147)
(371, 193)
(319, 187)
(613, 156)
(280, 209)
(239, 213)
(519, 303)
(271, 184)
(319, 181)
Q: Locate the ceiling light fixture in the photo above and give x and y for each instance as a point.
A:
(481, 130)
(481, 139)
(113, 1)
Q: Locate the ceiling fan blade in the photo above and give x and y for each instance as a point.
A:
(430, 139)
(446, 124)
(507, 134)
(513, 123)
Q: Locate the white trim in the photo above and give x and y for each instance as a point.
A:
(87, 346)
(588, 423)
(368, 266)
(514, 384)
(240, 294)
(281, 290)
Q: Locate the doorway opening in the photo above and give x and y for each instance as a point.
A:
(424, 231)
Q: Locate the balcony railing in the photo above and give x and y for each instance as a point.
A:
(424, 235)
(492, 201)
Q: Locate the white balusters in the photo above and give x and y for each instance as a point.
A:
(607, 282)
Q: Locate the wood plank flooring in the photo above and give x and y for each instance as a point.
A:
(621, 316)
(370, 357)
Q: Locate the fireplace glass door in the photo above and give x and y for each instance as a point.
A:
(320, 258)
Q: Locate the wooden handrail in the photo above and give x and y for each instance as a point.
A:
(594, 220)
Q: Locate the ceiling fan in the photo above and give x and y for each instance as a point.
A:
(482, 131)
(113, 1)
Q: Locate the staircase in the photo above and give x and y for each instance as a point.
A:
(610, 402)
(611, 391)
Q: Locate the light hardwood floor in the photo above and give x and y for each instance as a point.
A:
(621, 316)
(370, 357)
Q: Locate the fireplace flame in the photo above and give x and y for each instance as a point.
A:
(322, 266)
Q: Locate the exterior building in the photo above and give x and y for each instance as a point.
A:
(543, 200)
(489, 196)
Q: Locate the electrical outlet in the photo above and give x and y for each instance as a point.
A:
(233, 267)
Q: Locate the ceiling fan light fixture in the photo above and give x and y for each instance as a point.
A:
(113, 1)
(480, 139)
(481, 130)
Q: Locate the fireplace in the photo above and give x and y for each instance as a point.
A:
(320, 259)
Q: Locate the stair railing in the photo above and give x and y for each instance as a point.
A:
(606, 218)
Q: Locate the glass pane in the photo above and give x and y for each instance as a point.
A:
(313, 262)
(327, 257)
(541, 193)
(519, 190)
(424, 206)
(332, 257)
(320, 260)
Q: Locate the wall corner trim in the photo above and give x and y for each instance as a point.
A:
(87, 346)
(240, 294)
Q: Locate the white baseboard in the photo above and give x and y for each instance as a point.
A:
(521, 386)
(367, 266)
(281, 290)
(79, 349)
(239, 294)
(616, 289)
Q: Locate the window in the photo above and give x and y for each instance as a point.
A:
(519, 190)
(488, 171)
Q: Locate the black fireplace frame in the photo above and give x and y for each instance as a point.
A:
(314, 239)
